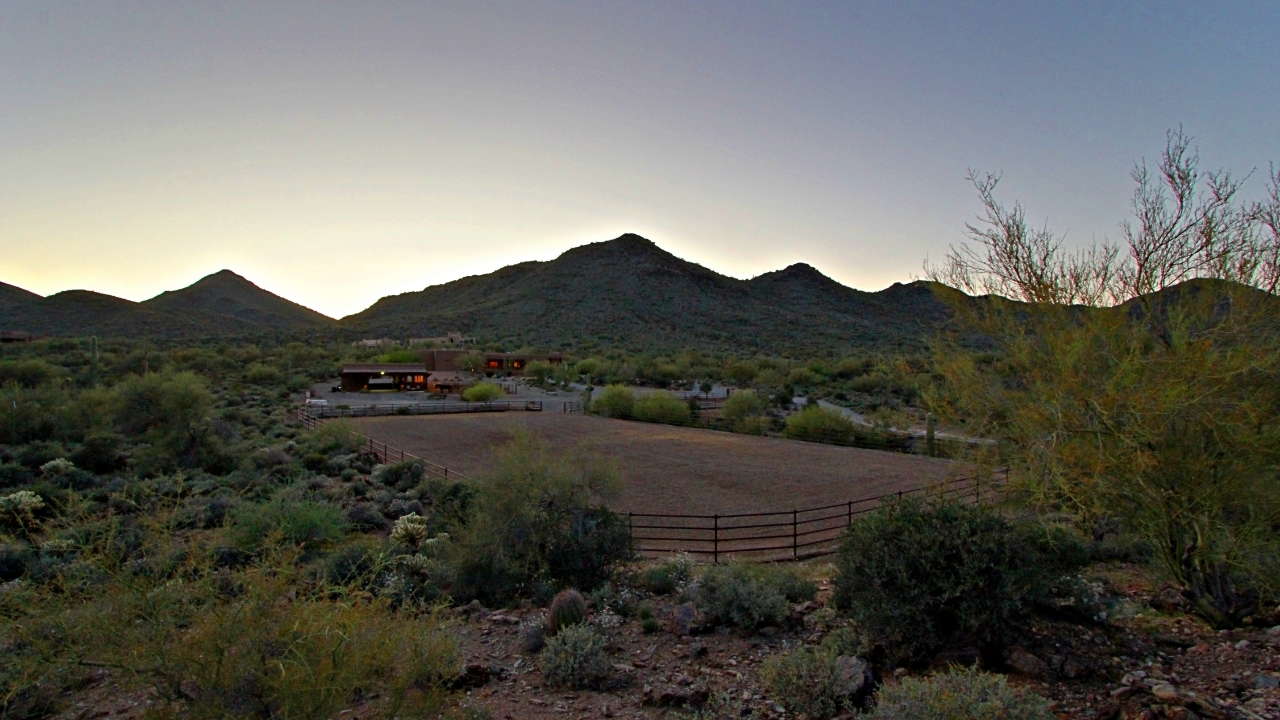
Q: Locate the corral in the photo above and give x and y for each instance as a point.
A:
(667, 469)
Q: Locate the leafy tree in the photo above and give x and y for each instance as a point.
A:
(471, 362)
(661, 407)
(540, 370)
(1139, 381)
(744, 411)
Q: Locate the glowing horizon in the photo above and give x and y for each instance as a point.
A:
(334, 156)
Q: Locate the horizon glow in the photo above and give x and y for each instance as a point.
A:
(335, 155)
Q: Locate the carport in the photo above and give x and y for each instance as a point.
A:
(395, 377)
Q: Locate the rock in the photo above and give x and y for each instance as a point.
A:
(1072, 669)
(1027, 664)
(1243, 644)
(856, 679)
(684, 619)
(1165, 691)
(1263, 681)
(1169, 600)
(697, 650)
(1180, 713)
(667, 696)
(1121, 693)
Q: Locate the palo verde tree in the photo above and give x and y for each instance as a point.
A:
(1139, 380)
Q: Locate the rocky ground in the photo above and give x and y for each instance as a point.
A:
(1141, 657)
(1127, 649)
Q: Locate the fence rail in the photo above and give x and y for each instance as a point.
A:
(794, 534)
(424, 408)
(383, 451)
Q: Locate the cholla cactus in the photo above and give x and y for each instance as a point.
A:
(20, 508)
(23, 501)
(410, 530)
(57, 467)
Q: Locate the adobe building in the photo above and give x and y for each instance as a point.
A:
(399, 377)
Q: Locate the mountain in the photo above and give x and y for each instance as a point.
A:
(631, 293)
(226, 293)
(222, 304)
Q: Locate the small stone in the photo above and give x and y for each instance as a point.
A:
(1121, 693)
(1242, 645)
(1165, 691)
(1263, 681)
(1027, 664)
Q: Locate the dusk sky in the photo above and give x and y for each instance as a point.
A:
(338, 153)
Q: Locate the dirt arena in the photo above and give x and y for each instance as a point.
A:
(669, 469)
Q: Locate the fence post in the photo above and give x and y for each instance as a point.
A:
(795, 536)
(715, 541)
(849, 520)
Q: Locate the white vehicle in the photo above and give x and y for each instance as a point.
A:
(317, 401)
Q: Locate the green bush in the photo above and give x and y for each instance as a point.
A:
(308, 524)
(959, 694)
(809, 680)
(919, 576)
(483, 392)
(575, 658)
(567, 608)
(818, 424)
(615, 401)
(741, 594)
(661, 407)
(666, 577)
(536, 524)
(260, 374)
(28, 373)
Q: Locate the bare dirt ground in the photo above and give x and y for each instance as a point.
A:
(669, 469)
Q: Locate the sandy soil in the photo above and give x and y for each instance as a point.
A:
(670, 469)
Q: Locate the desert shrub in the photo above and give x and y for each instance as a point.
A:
(811, 681)
(592, 543)
(400, 476)
(661, 407)
(615, 401)
(28, 373)
(575, 658)
(354, 565)
(334, 437)
(919, 576)
(818, 424)
(567, 608)
(15, 475)
(536, 524)
(958, 694)
(306, 523)
(366, 517)
(737, 594)
(533, 636)
(14, 560)
(666, 577)
(100, 453)
(260, 374)
(483, 392)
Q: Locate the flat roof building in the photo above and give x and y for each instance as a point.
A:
(399, 377)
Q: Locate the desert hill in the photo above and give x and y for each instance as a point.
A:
(630, 292)
(222, 304)
(226, 293)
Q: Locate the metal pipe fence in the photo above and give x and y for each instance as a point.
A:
(384, 452)
(795, 534)
(424, 408)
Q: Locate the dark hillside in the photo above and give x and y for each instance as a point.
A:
(630, 292)
(226, 293)
(81, 312)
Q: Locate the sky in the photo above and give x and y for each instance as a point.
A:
(338, 153)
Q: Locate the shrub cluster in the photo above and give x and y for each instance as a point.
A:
(813, 681)
(959, 694)
(575, 658)
(818, 424)
(750, 595)
(919, 576)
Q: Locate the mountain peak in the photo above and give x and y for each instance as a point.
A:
(797, 273)
(227, 293)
